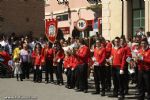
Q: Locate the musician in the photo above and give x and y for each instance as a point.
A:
(49, 55)
(99, 67)
(38, 62)
(58, 61)
(67, 68)
(144, 70)
(118, 62)
(108, 65)
(74, 69)
(83, 55)
(128, 55)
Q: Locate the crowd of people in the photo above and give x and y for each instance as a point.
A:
(119, 60)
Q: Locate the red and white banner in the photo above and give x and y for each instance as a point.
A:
(51, 30)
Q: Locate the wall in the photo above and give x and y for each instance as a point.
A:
(22, 16)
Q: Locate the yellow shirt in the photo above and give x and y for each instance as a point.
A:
(16, 53)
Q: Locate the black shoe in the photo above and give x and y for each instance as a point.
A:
(51, 82)
(126, 92)
(21, 80)
(46, 82)
(96, 92)
(121, 98)
(69, 87)
(79, 90)
(114, 95)
(103, 94)
(108, 90)
(85, 91)
(66, 86)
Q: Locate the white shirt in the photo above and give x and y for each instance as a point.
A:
(24, 55)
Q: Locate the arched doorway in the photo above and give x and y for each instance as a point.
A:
(138, 15)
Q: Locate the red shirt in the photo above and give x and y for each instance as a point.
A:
(83, 54)
(60, 55)
(39, 59)
(145, 63)
(74, 61)
(100, 55)
(108, 49)
(67, 63)
(118, 57)
(33, 54)
(49, 54)
(127, 51)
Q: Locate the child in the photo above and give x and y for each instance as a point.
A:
(18, 71)
(67, 69)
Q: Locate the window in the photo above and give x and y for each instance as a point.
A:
(138, 15)
(62, 17)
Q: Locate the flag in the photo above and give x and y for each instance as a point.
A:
(51, 30)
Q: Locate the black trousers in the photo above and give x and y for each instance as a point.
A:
(126, 78)
(99, 77)
(144, 84)
(83, 76)
(76, 75)
(49, 70)
(68, 74)
(73, 78)
(118, 81)
(25, 70)
(108, 77)
(58, 72)
(37, 75)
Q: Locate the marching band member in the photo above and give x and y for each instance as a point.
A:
(83, 55)
(67, 69)
(38, 61)
(128, 56)
(107, 65)
(74, 69)
(58, 61)
(118, 62)
(49, 55)
(99, 67)
(144, 70)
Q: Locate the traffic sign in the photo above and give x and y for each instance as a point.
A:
(81, 24)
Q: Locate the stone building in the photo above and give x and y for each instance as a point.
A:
(22, 17)
(119, 17)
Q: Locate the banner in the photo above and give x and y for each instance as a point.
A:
(51, 30)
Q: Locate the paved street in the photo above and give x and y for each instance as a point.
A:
(41, 91)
